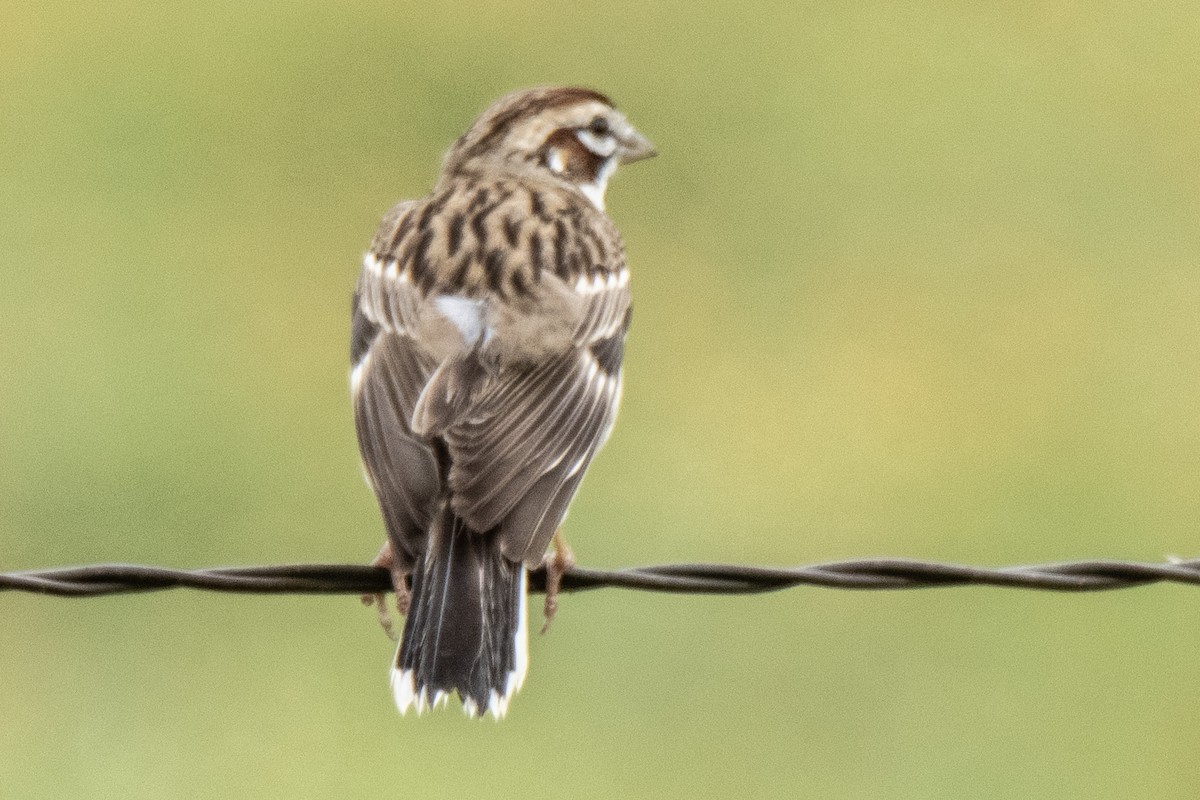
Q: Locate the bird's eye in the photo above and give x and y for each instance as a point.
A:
(599, 126)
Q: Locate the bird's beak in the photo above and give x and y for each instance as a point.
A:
(634, 147)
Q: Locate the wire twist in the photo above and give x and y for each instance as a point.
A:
(868, 573)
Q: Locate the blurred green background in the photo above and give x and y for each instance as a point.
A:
(914, 280)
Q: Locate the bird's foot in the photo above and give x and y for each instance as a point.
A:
(556, 566)
(387, 560)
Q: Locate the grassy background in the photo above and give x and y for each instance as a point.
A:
(913, 280)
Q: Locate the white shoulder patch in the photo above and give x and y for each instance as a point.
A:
(464, 313)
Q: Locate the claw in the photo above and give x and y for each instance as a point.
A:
(387, 560)
(556, 566)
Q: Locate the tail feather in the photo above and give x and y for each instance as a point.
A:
(466, 630)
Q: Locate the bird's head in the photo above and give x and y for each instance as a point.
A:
(568, 133)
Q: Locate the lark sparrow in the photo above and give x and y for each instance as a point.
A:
(488, 332)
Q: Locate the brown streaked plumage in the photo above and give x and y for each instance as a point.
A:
(489, 326)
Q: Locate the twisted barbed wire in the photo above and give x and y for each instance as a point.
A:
(867, 573)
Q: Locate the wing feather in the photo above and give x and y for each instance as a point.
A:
(518, 457)
(387, 292)
(388, 374)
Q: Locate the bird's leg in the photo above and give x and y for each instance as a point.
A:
(387, 560)
(556, 566)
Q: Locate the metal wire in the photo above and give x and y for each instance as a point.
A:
(870, 573)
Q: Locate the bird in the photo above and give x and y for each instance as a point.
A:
(487, 336)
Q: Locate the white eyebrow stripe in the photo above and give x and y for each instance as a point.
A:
(603, 145)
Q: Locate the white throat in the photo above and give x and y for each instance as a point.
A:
(594, 190)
